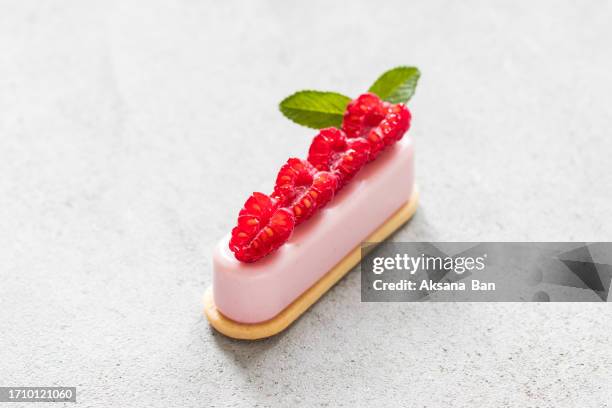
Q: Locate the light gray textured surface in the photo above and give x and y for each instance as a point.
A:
(131, 133)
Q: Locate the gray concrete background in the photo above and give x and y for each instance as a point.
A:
(131, 133)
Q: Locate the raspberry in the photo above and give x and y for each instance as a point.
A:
(395, 123)
(326, 147)
(303, 189)
(324, 187)
(331, 151)
(262, 228)
(362, 114)
(380, 123)
(355, 157)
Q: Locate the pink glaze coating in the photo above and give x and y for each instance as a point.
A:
(256, 292)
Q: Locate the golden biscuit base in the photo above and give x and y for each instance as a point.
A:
(255, 331)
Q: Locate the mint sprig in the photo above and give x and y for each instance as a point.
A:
(315, 109)
(397, 85)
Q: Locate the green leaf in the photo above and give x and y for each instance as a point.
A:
(315, 109)
(397, 85)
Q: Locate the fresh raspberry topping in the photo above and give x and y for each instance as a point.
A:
(303, 189)
(326, 147)
(395, 124)
(304, 186)
(294, 176)
(331, 151)
(324, 187)
(378, 122)
(362, 114)
(262, 228)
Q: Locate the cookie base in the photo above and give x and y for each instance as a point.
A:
(255, 331)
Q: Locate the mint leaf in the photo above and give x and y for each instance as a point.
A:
(397, 85)
(315, 109)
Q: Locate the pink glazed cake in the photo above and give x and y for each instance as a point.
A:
(257, 292)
